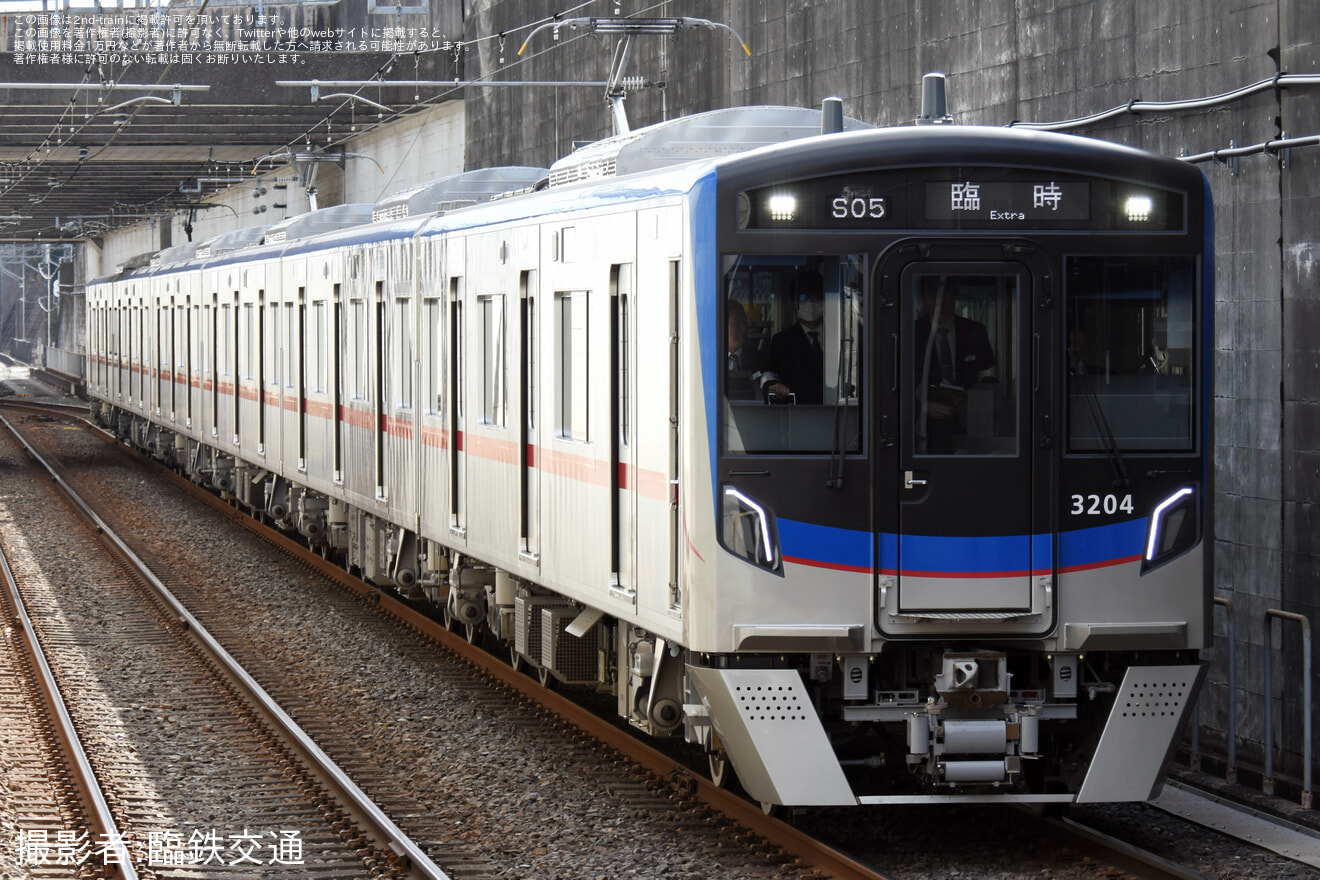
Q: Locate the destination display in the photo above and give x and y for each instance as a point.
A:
(1008, 201)
(964, 198)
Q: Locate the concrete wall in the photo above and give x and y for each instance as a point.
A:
(416, 150)
(421, 147)
(1042, 60)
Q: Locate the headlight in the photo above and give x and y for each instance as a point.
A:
(748, 529)
(1175, 528)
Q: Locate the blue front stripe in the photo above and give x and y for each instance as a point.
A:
(1103, 544)
(825, 545)
(1005, 554)
(997, 555)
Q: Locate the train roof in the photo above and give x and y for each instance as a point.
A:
(949, 145)
(457, 191)
(709, 135)
(315, 222)
(741, 146)
(234, 240)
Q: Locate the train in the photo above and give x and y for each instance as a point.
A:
(870, 461)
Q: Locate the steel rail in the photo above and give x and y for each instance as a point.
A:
(102, 820)
(344, 788)
(740, 810)
(1118, 854)
(731, 805)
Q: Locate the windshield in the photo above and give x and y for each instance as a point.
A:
(1131, 353)
(792, 356)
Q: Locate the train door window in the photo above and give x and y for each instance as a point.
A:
(359, 369)
(248, 343)
(531, 359)
(222, 353)
(270, 359)
(1131, 345)
(625, 369)
(289, 339)
(572, 337)
(404, 336)
(457, 351)
(435, 389)
(494, 381)
(793, 353)
(316, 347)
(965, 341)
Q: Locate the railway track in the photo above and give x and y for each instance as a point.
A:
(135, 665)
(45, 762)
(459, 835)
(672, 793)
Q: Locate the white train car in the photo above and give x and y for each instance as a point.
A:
(878, 586)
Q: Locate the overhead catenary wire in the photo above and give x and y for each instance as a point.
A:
(1137, 106)
(1273, 147)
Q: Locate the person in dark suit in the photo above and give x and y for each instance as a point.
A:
(952, 354)
(796, 372)
(743, 363)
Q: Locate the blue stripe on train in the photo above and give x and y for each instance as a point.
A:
(848, 549)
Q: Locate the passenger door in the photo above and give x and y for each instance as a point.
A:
(968, 446)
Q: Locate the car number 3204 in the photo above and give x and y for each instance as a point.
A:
(1100, 505)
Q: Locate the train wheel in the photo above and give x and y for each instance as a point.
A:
(547, 680)
(771, 810)
(472, 632)
(721, 769)
(515, 659)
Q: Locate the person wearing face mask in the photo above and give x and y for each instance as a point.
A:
(797, 354)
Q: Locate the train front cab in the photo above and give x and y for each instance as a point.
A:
(966, 574)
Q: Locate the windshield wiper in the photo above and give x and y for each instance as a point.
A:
(1103, 429)
(845, 390)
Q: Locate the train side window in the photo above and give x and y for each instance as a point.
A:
(223, 355)
(494, 381)
(358, 365)
(572, 337)
(252, 342)
(316, 347)
(434, 376)
(792, 353)
(291, 353)
(270, 335)
(404, 335)
(1132, 354)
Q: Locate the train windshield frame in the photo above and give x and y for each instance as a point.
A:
(793, 354)
(1133, 352)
